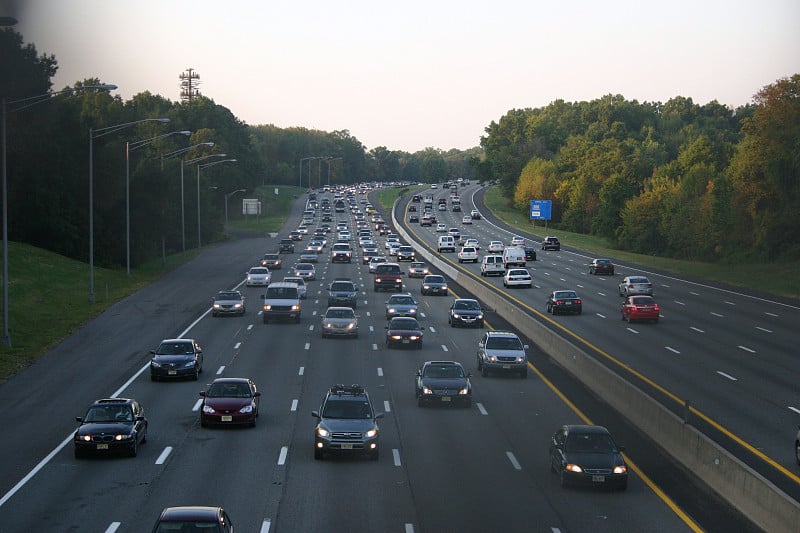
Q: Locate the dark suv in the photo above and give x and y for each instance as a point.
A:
(111, 425)
(342, 293)
(286, 246)
(388, 276)
(551, 243)
(347, 423)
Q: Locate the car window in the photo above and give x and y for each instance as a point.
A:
(228, 296)
(443, 372)
(347, 409)
(404, 323)
(589, 443)
(504, 343)
(401, 300)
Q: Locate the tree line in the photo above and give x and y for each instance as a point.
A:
(675, 179)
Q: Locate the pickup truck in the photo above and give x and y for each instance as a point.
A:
(341, 253)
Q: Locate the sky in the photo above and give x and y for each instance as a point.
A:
(416, 74)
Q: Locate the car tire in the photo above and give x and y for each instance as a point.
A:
(214, 314)
(420, 402)
(196, 375)
(266, 320)
(623, 486)
(144, 437)
(153, 377)
(297, 320)
(468, 403)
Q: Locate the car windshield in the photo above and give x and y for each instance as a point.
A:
(175, 348)
(565, 294)
(259, 271)
(434, 279)
(341, 286)
(404, 323)
(638, 280)
(229, 296)
(228, 390)
(187, 525)
(443, 371)
(347, 409)
(504, 343)
(281, 292)
(401, 300)
(340, 313)
(467, 305)
(589, 443)
(304, 266)
(109, 413)
(517, 272)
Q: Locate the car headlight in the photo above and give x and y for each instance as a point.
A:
(412, 311)
(208, 409)
(327, 325)
(415, 337)
(391, 310)
(456, 315)
(247, 409)
(396, 337)
(216, 306)
(573, 468)
(352, 325)
(620, 469)
(371, 433)
(520, 359)
(295, 308)
(122, 437)
(237, 306)
(322, 432)
(155, 364)
(444, 287)
(480, 316)
(267, 307)
(464, 391)
(426, 390)
(426, 286)
(190, 364)
(85, 438)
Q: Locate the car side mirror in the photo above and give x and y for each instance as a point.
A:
(256, 394)
(379, 415)
(203, 393)
(386, 326)
(153, 352)
(525, 346)
(315, 414)
(78, 419)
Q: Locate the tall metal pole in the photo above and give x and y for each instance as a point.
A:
(198, 205)
(128, 208)
(183, 218)
(6, 335)
(91, 216)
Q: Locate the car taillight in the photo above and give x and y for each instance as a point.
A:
(577, 301)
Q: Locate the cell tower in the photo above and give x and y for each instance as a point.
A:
(190, 79)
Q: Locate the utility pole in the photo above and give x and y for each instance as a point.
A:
(190, 79)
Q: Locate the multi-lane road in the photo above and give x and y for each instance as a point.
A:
(484, 468)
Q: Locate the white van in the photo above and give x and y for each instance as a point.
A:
(447, 243)
(492, 265)
(514, 256)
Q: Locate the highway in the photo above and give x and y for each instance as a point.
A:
(484, 468)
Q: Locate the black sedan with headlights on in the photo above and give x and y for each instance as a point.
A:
(434, 284)
(443, 382)
(404, 331)
(465, 312)
(176, 358)
(111, 425)
(587, 455)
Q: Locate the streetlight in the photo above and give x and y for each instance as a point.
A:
(319, 171)
(130, 146)
(300, 183)
(198, 191)
(95, 134)
(328, 162)
(183, 164)
(226, 202)
(23, 104)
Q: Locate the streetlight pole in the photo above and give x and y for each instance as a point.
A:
(300, 183)
(23, 104)
(226, 202)
(94, 134)
(328, 162)
(183, 163)
(128, 148)
(198, 191)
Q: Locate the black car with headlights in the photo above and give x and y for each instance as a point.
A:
(443, 382)
(404, 331)
(587, 455)
(111, 425)
(176, 358)
(465, 312)
(347, 423)
(193, 518)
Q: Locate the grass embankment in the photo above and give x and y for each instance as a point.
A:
(48, 294)
(274, 209)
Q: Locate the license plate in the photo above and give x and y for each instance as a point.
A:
(445, 398)
(102, 446)
(226, 418)
(506, 367)
(598, 479)
(172, 372)
(406, 341)
(347, 446)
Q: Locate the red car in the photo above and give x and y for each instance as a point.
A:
(230, 401)
(640, 308)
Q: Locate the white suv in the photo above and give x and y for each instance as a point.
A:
(468, 253)
(502, 351)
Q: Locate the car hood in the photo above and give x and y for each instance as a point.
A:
(347, 424)
(174, 359)
(339, 322)
(227, 302)
(467, 312)
(444, 383)
(587, 460)
(504, 353)
(343, 293)
(227, 404)
(108, 428)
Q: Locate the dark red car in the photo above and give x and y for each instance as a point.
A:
(229, 402)
(640, 308)
(601, 266)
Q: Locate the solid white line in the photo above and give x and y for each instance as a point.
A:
(294, 405)
(380, 372)
(481, 408)
(197, 404)
(514, 461)
(723, 374)
(795, 409)
(698, 330)
(236, 346)
(445, 348)
(308, 345)
(164, 454)
(746, 349)
(265, 526)
(386, 407)
(112, 527)
(282, 456)
(765, 330)
(673, 350)
(220, 370)
(301, 371)
(396, 456)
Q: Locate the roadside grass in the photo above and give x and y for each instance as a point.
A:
(274, 209)
(780, 277)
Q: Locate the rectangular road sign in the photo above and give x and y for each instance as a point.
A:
(541, 209)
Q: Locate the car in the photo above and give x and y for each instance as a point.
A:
(516, 240)
(475, 214)
(228, 303)
(468, 254)
(315, 247)
(367, 255)
(193, 518)
(465, 312)
(305, 271)
(343, 293)
(443, 382)
(471, 241)
(640, 307)
(442, 207)
(416, 198)
(405, 253)
(492, 265)
(230, 402)
(309, 258)
(400, 305)
(467, 219)
(434, 284)
(426, 220)
(404, 331)
(375, 261)
(393, 247)
(417, 269)
(434, 186)
(635, 285)
(295, 235)
(302, 286)
(347, 423)
(302, 230)
(496, 247)
(110, 425)
(456, 207)
(564, 301)
(257, 276)
(388, 276)
(413, 218)
(601, 266)
(272, 261)
(282, 301)
(530, 253)
(412, 208)
(365, 241)
(341, 253)
(286, 246)
(441, 228)
(454, 232)
(446, 243)
(587, 455)
(339, 321)
(551, 243)
(517, 277)
(502, 351)
(176, 358)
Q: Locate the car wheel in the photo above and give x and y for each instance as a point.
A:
(195, 375)
(420, 402)
(319, 454)
(266, 320)
(623, 486)
(144, 435)
(153, 377)
(213, 313)
(468, 402)
(297, 320)
(484, 371)
(203, 423)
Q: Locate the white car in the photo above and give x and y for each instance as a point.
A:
(496, 247)
(468, 253)
(466, 219)
(472, 242)
(454, 232)
(258, 276)
(303, 230)
(516, 240)
(302, 288)
(393, 247)
(517, 277)
(375, 261)
(635, 285)
(305, 271)
(441, 228)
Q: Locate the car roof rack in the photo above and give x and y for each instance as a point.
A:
(348, 390)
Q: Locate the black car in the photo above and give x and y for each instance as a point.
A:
(193, 518)
(601, 266)
(404, 331)
(176, 358)
(551, 243)
(587, 455)
(530, 253)
(434, 284)
(286, 246)
(413, 218)
(347, 423)
(564, 301)
(443, 382)
(342, 293)
(465, 312)
(111, 425)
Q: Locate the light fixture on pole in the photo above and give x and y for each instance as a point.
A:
(129, 147)
(183, 163)
(328, 162)
(95, 134)
(198, 191)
(18, 105)
(228, 195)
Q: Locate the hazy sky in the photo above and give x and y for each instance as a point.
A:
(413, 74)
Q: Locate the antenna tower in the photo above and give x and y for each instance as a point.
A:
(190, 79)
